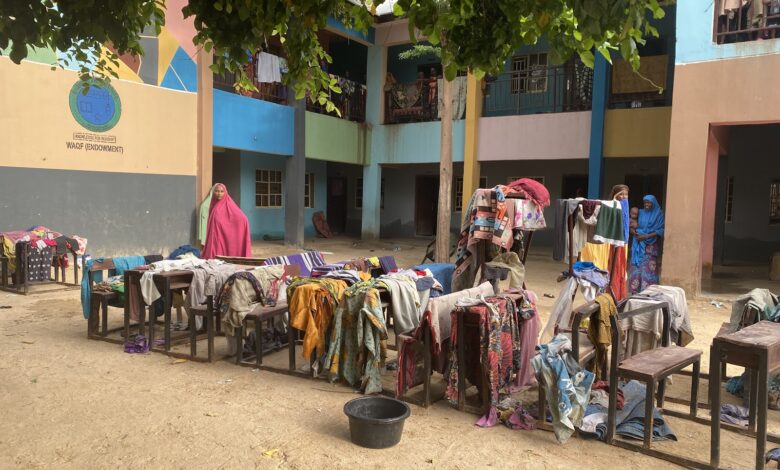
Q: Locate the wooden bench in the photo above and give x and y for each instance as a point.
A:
(99, 301)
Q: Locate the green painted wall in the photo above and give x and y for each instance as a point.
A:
(337, 140)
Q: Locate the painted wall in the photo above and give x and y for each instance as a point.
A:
(695, 41)
(119, 213)
(534, 137)
(337, 140)
(642, 132)
(705, 94)
(414, 143)
(752, 162)
(245, 123)
(270, 221)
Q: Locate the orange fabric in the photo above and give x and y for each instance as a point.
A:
(618, 280)
(311, 311)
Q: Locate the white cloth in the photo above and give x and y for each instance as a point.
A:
(561, 312)
(148, 289)
(268, 68)
(528, 215)
(440, 308)
(179, 264)
(643, 332)
(459, 86)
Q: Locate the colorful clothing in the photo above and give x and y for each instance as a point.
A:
(645, 274)
(227, 231)
(312, 304)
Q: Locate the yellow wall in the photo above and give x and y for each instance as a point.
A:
(642, 132)
(157, 129)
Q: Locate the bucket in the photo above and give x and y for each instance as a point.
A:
(376, 422)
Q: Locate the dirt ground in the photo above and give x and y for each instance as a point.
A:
(72, 403)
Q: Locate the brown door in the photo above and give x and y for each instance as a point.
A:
(426, 204)
(337, 204)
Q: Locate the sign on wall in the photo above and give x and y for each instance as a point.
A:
(97, 110)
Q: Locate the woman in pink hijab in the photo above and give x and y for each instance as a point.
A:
(227, 232)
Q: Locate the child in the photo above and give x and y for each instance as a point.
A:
(634, 223)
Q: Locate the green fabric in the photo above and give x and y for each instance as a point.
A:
(203, 221)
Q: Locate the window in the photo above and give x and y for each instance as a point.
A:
(359, 194)
(459, 191)
(774, 203)
(268, 188)
(529, 73)
(308, 191)
(729, 198)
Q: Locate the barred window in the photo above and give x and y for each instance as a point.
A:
(268, 188)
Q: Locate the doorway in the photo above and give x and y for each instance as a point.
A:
(641, 185)
(337, 204)
(426, 205)
(574, 186)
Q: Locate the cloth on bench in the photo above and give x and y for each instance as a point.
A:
(306, 260)
(121, 264)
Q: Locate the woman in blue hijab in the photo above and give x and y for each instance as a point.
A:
(646, 248)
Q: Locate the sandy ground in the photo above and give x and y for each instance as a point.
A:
(72, 403)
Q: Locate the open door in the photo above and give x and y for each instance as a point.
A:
(337, 204)
(426, 205)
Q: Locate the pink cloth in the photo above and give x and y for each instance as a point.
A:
(529, 339)
(227, 232)
(533, 190)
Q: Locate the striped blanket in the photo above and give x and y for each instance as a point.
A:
(306, 260)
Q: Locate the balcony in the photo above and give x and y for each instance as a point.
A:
(640, 90)
(746, 20)
(539, 89)
(351, 102)
(415, 101)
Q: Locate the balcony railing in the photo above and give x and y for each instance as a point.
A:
(351, 102)
(411, 102)
(543, 89)
(746, 20)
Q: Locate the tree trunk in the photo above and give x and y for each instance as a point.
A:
(445, 176)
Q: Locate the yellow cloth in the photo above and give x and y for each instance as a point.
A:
(311, 311)
(598, 254)
(373, 261)
(364, 276)
(9, 251)
(600, 332)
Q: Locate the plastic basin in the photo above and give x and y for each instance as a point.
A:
(376, 422)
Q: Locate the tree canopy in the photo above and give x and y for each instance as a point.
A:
(476, 35)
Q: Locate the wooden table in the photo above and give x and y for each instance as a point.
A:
(757, 348)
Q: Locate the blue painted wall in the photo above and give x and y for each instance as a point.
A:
(249, 124)
(695, 20)
(270, 221)
(414, 143)
(336, 25)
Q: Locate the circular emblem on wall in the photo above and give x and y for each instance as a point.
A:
(99, 109)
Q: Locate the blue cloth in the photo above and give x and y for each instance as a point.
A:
(650, 221)
(442, 272)
(590, 272)
(630, 421)
(626, 218)
(183, 250)
(121, 264)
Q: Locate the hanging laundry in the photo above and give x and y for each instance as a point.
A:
(268, 68)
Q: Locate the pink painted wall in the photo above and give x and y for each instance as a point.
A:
(556, 136)
(708, 209)
(182, 29)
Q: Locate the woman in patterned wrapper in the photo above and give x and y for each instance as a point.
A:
(646, 247)
(227, 233)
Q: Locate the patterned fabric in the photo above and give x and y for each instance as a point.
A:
(499, 350)
(306, 260)
(220, 303)
(38, 263)
(312, 303)
(358, 339)
(645, 274)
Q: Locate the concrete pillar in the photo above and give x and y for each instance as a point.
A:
(470, 160)
(601, 80)
(205, 125)
(717, 145)
(295, 180)
(372, 172)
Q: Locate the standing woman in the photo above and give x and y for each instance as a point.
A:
(227, 233)
(646, 248)
(619, 274)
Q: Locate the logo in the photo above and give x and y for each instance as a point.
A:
(99, 109)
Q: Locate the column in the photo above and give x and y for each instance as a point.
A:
(600, 98)
(205, 125)
(372, 171)
(295, 180)
(473, 115)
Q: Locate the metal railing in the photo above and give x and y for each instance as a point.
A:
(746, 20)
(415, 101)
(351, 102)
(544, 89)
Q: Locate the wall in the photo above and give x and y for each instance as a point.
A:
(752, 162)
(227, 170)
(695, 43)
(534, 137)
(245, 123)
(270, 221)
(642, 132)
(414, 143)
(336, 140)
(705, 95)
(134, 196)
